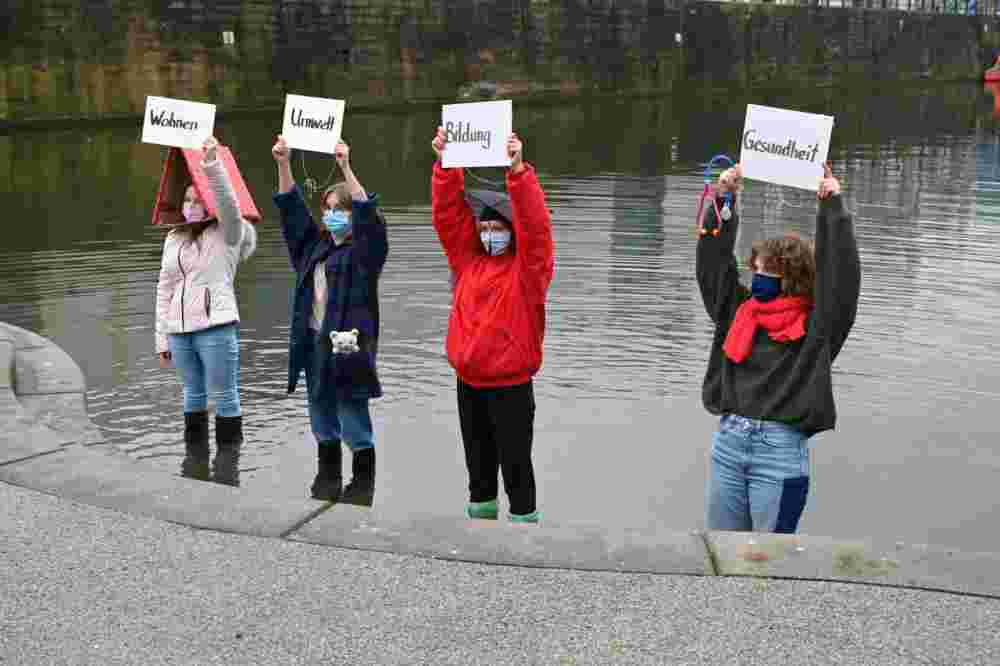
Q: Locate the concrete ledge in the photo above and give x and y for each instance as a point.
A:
(44, 386)
(44, 421)
(822, 558)
(92, 476)
(568, 546)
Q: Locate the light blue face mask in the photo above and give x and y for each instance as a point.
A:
(337, 222)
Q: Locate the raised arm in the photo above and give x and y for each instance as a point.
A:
(451, 215)
(226, 204)
(297, 226)
(838, 267)
(715, 264)
(534, 249)
(342, 153)
(371, 239)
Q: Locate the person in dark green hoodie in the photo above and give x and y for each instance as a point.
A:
(769, 372)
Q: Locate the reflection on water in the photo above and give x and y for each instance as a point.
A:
(621, 434)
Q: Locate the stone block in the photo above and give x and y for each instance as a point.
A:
(582, 546)
(64, 413)
(874, 562)
(20, 439)
(46, 370)
(6, 365)
(97, 477)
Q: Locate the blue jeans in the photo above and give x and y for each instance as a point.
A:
(209, 365)
(759, 476)
(332, 418)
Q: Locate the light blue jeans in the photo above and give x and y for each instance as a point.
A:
(209, 365)
(759, 476)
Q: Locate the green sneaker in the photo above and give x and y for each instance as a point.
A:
(482, 510)
(531, 518)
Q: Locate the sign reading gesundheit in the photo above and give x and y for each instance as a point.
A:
(313, 123)
(476, 133)
(785, 147)
(177, 122)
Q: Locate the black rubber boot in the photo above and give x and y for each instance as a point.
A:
(361, 490)
(228, 440)
(327, 484)
(195, 463)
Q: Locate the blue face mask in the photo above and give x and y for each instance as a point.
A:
(337, 222)
(765, 287)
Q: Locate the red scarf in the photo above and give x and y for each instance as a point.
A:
(784, 319)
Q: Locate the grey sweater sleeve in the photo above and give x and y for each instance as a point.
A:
(225, 200)
(838, 273)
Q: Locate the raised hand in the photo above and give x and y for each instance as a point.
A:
(829, 186)
(342, 153)
(208, 148)
(731, 180)
(280, 151)
(439, 142)
(514, 149)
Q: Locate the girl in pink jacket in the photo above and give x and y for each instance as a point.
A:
(197, 319)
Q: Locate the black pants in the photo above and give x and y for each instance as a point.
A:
(498, 426)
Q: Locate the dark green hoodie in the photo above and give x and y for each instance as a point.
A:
(786, 382)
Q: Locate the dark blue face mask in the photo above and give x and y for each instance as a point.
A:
(765, 287)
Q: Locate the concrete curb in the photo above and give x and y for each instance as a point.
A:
(47, 444)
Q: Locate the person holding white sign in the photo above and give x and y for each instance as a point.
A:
(335, 319)
(769, 371)
(197, 318)
(502, 258)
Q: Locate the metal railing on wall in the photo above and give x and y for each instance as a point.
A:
(953, 7)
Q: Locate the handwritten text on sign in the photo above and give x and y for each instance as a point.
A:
(313, 123)
(177, 122)
(476, 133)
(785, 147)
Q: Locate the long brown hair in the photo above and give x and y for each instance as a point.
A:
(790, 256)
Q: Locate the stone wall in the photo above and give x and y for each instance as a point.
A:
(100, 58)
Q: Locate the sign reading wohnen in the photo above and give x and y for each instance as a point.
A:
(177, 122)
(785, 147)
(476, 134)
(313, 123)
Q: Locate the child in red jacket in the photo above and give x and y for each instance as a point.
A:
(501, 255)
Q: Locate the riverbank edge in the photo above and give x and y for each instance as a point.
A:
(50, 445)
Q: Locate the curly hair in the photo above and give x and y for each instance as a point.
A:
(790, 256)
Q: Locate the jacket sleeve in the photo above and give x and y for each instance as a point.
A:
(297, 225)
(716, 269)
(165, 288)
(533, 246)
(838, 273)
(371, 240)
(452, 217)
(226, 203)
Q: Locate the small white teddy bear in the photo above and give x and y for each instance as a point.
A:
(344, 342)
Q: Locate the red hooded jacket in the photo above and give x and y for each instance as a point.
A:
(497, 322)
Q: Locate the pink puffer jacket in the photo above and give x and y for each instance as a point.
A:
(195, 290)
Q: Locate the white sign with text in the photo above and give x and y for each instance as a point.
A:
(177, 122)
(476, 133)
(785, 147)
(313, 123)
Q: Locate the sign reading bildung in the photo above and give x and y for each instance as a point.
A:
(177, 122)
(313, 123)
(785, 147)
(477, 133)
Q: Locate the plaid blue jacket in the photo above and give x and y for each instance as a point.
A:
(353, 271)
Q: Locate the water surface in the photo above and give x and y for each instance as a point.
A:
(621, 435)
